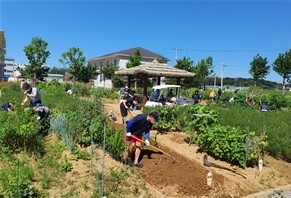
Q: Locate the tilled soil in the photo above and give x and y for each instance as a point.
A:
(175, 175)
(185, 175)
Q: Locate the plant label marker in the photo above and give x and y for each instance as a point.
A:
(209, 178)
(260, 165)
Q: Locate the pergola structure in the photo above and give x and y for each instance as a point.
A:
(153, 69)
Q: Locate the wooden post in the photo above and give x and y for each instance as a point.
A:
(128, 81)
(145, 86)
(159, 80)
(178, 81)
(260, 165)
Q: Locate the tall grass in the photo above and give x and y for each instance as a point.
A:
(276, 124)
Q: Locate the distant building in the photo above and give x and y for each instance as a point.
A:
(119, 59)
(11, 72)
(8, 68)
(58, 77)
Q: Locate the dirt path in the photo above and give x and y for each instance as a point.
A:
(187, 176)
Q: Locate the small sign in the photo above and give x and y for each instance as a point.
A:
(209, 178)
(260, 165)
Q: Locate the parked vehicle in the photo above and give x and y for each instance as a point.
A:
(167, 95)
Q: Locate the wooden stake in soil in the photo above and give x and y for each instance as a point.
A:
(209, 178)
(260, 165)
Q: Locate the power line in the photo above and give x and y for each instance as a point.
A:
(235, 51)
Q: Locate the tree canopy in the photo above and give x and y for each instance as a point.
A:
(134, 60)
(259, 68)
(282, 66)
(37, 55)
(2, 47)
(203, 70)
(187, 65)
(75, 62)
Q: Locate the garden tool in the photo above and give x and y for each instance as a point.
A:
(209, 164)
(174, 160)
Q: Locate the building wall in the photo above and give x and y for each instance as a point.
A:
(9, 69)
(58, 77)
(119, 61)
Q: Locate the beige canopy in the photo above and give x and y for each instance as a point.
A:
(154, 69)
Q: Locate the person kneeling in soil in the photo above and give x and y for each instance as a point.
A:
(8, 106)
(42, 111)
(137, 127)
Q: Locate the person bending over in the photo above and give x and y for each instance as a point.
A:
(137, 127)
(32, 94)
(125, 107)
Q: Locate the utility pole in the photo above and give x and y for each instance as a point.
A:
(176, 52)
(221, 82)
(214, 83)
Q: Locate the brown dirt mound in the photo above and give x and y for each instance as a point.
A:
(176, 175)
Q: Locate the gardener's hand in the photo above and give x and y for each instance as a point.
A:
(147, 142)
(128, 134)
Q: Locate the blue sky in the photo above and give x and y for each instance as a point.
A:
(231, 32)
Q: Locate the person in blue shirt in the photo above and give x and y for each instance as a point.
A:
(264, 107)
(32, 94)
(196, 97)
(137, 127)
(42, 111)
(8, 106)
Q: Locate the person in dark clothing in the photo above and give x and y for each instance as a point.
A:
(8, 106)
(125, 93)
(42, 111)
(264, 107)
(125, 106)
(30, 93)
(219, 92)
(137, 127)
(196, 97)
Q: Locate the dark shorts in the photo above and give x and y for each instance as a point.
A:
(33, 104)
(123, 110)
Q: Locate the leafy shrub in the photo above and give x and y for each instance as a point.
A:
(19, 130)
(229, 144)
(15, 180)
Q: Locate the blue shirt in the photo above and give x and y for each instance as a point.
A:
(264, 107)
(5, 106)
(139, 125)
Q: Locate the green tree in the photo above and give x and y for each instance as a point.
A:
(75, 61)
(282, 66)
(109, 72)
(87, 73)
(134, 60)
(2, 53)
(37, 55)
(187, 65)
(259, 68)
(203, 70)
(184, 64)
